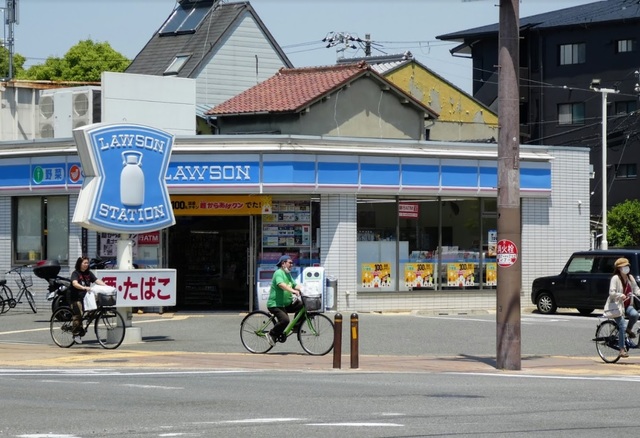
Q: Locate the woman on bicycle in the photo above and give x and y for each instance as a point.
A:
(81, 280)
(621, 290)
(281, 297)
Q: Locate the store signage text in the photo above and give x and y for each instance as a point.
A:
(142, 287)
(124, 190)
(210, 173)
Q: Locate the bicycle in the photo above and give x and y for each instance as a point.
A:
(315, 333)
(108, 326)
(607, 341)
(24, 282)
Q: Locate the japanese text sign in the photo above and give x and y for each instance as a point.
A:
(141, 287)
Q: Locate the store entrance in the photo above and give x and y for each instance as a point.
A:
(211, 255)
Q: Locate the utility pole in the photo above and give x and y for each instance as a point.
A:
(595, 85)
(341, 38)
(508, 351)
(11, 18)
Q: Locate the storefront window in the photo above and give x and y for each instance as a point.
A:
(377, 249)
(41, 228)
(442, 244)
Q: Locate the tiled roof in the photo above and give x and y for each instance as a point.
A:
(591, 13)
(294, 89)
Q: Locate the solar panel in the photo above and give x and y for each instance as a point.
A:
(187, 17)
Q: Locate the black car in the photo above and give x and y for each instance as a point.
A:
(583, 283)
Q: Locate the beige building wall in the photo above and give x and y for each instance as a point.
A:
(461, 118)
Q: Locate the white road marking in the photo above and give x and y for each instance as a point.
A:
(556, 377)
(152, 386)
(356, 424)
(253, 421)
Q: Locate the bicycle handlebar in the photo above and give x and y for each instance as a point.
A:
(18, 269)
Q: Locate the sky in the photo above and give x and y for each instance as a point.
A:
(51, 27)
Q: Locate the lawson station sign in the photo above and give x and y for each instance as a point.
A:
(124, 189)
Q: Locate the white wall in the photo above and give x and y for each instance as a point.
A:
(163, 102)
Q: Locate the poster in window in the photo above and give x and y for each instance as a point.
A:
(418, 275)
(492, 243)
(491, 270)
(461, 274)
(376, 275)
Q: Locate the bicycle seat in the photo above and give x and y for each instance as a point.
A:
(3, 282)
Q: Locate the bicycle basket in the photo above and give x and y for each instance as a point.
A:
(312, 302)
(27, 279)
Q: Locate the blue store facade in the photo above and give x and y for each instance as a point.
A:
(402, 225)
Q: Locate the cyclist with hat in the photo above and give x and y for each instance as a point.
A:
(284, 297)
(622, 288)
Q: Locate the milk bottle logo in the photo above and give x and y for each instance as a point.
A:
(124, 189)
(132, 179)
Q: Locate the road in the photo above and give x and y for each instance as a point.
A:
(389, 334)
(191, 377)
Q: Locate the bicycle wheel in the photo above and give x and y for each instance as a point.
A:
(4, 299)
(109, 328)
(316, 334)
(607, 341)
(254, 329)
(31, 300)
(61, 327)
(7, 297)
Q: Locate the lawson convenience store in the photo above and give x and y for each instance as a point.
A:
(401, 224)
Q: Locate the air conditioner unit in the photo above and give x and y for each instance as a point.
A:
(86, 107)
(64, 109)
(45, 116)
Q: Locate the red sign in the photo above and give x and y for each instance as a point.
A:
(152, 238)
(75, 173)
(409, 210)
(506, 253)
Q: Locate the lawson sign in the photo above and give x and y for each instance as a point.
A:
(124, 189)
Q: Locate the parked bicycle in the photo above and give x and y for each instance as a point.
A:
(315, 333)
(24, 282)
(108, 324)
(607, 341)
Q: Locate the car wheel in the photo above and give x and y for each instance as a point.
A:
(546, 304)
(584, 311)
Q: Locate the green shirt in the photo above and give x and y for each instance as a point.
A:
(279, 297)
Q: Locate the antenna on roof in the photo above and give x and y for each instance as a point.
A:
(11, 18)
(341, 38)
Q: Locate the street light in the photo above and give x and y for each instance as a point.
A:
(595, 86)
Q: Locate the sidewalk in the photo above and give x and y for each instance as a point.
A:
(23, 356)
(210, 341)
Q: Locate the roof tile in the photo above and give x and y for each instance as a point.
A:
(291, 89)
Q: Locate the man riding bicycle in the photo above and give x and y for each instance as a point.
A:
(284, 297)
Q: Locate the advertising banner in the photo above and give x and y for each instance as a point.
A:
(418, 275)
(461, 274)
(376, 275)
(212, 205)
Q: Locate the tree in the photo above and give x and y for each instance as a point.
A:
(84, 62)
(18, 62)
(623, 222)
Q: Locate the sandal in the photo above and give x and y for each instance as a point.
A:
(624, 354)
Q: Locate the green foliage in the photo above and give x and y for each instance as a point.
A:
(623, 222)
(18, 62)
(84, 62)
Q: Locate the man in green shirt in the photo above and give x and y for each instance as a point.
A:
(284, 297)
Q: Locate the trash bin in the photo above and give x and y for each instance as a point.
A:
(331, 293)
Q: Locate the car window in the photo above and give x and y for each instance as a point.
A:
(580, 265)
(604, 265)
